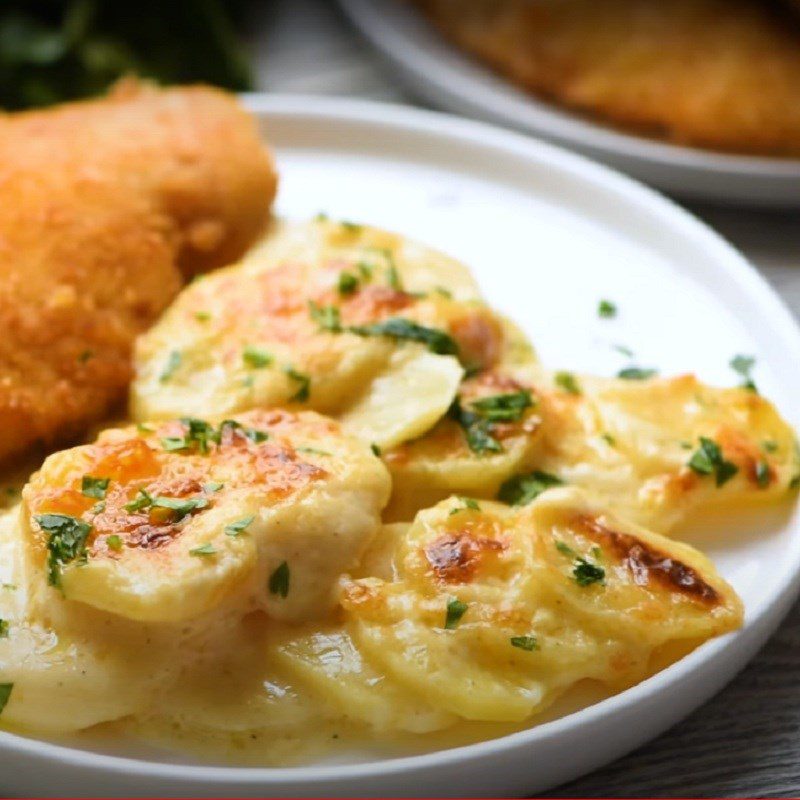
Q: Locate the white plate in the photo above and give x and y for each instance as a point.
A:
(547, 234)
(445, 77)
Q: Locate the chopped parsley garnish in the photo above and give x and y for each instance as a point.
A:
(171, 367)
(365, 269)
(583, 571)
(769, 446)
(523, 489)
(85, 356)
(348, 283)
(455, 610)
(255, 357)
(94, 487)
(392, 273)
(446, 293)
(565, 549)
(399, 328)
(5, 693)
(477, 430)
(636, 373)
(567, 382)
(279, 580)
(503, 407)
(351, 227)
(707, 460)
(586, 573)
(625, 351)
(181, 507)
(375, 449)
(301, 395)
(321, 216)
(528, 643)
(66, 542)
(206, 549)
(744, 366)
(763, 474)
(313, 451)
(4, 628)
(608, 439)
(142, 500)
(235, 528)
(328, 318)
(200, 434)
(606, 309)
(202, 316)
(114, 542)
(173, 443)
(469, 504)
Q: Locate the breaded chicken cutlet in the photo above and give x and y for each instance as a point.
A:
(721, 74)
(105, 207)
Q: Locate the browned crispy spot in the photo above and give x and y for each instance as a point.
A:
(374, 303)
(271, 467)
(480, 338)
(647, 564)
(456, 557)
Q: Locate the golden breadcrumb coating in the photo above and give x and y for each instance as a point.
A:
(106, 206)
(722, 74)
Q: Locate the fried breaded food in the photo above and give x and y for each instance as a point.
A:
(106, 206)
(723, 74)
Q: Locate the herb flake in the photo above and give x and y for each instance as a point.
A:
(455, 610)
(567, 382)
(708, 460)
(239, 527)
(66, 543)
(256, 357)
(606, 309)
(94, 487)
(523, 489)
(279, 580)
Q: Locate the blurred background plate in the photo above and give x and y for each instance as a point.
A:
(443, 76)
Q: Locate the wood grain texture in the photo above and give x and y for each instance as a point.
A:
(746, 741)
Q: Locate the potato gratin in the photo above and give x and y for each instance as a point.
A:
(353, 507)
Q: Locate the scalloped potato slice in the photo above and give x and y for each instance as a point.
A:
(332, 668)
(263, 511)
(462, 455)
(405, 400)
(633, 442)
(493, 612)
(71, 667)
(335, 316)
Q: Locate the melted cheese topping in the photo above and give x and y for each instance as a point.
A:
(187, 524)
(227, 587)
(300, 321)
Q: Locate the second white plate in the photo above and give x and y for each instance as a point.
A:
(445, 77)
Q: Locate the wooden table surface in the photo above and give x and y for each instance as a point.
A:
(746, 741)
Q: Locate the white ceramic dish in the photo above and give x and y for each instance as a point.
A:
(548, 234)
(443, 76)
